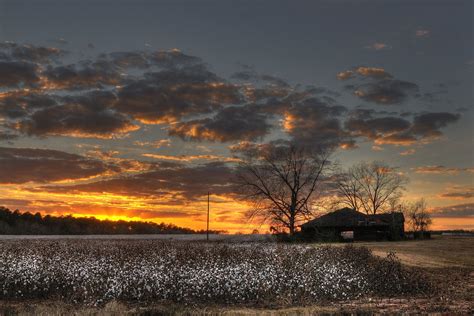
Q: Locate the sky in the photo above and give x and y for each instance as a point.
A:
(136, 109)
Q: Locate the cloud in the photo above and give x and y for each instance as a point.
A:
(386, 91)
(364, 72)
(250, 75)
(382, 130)
(87, 75)
(315, 123)
(382, 89)
(408, 152)
(185, 183)
(345, 75)
(457, 192)
(173, 58)
(428, 125)
(439, 169)
(22, 165)
(376, 128)
(17, 105)
(18, 74)
(251, 149)
(422, 32)
(229, 124)
(378, 46)
(458, 210)
(398, 131)
(256, 94)
(190, 158)
(89, 115)
(128, 59)
(458, 195)
(30, 53)
(156, 144)
(169, 59)
(104, 97)
(168, 95)
(6, 136)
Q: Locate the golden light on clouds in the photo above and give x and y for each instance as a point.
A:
(190, 158)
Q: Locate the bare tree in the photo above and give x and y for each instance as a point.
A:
(282, 183)
(370, 187)
(349, 188)
(418, 217)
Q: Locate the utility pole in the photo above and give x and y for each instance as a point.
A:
(207, 231)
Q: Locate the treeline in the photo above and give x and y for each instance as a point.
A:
(18, 223)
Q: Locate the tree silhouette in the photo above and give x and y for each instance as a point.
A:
(282, 182)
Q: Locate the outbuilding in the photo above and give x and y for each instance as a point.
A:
(349, 224)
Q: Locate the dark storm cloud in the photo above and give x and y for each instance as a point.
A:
(88, 115)
(168, 95)
(229, 124)
(17, 74)
(188, 182)
(22, 165)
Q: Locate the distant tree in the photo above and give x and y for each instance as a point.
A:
(26, 223)
(370, 187)
(282, 182)
(417, 216)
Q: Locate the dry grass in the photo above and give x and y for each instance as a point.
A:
(439, 252)
(359, 307)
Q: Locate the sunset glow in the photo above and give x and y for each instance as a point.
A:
(113, 121)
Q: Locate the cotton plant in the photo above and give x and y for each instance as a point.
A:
(98, 271)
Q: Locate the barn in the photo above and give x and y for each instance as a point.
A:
(349, 224)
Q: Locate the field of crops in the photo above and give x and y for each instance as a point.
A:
(94, 272)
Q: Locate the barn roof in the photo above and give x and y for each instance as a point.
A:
(347, 217)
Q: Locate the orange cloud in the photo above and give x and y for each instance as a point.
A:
(189, 158)
(157, 144)
(441, 170)
(408, 152)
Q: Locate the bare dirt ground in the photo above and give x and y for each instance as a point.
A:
(438, 252)
(449, 261)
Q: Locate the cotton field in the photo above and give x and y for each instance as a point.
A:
(97, 271)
